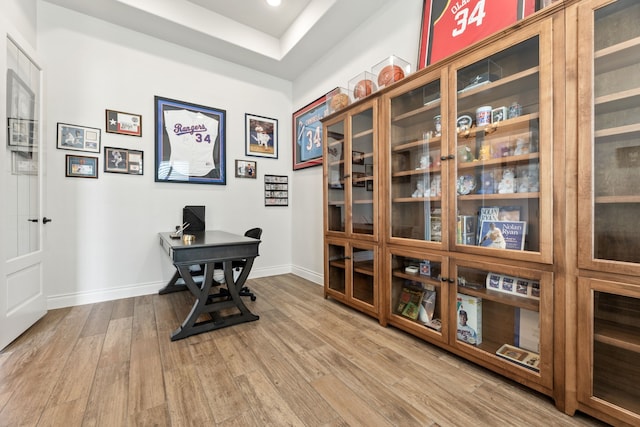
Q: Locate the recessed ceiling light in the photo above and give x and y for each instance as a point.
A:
(273, 3)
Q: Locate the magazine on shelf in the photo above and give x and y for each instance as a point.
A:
(527, 329)
(486, 213)
(503, 234)
(469, 319)
(522, 357)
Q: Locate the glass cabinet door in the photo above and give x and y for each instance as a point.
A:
(336, 214)
(504, 313)
(336, 269)
(363, 179)
(609, 337)
(416, 136)
(503, 149)
(418, 299)
(363, 277)
(609, 66)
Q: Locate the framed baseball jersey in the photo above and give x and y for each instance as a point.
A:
(449, 26)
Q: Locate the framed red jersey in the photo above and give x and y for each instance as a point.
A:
(449, 26)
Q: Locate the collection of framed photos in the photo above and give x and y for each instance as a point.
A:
(190, 146)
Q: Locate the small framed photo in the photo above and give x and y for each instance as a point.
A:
(358, 179)
(81, 138)
(23, 164)
(81, 166)
(246, 169)
(498, 114)
(120, 160)
(357, 157)
(123, 123)
(21, 134)
(261, 134)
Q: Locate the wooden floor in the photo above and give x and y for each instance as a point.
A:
(307, 362)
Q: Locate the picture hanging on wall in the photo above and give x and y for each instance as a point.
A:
(81, 166)
(190, 143)
(123, 123)
(307, 134)
(80, 138)
(121, 160)
(246, 169)
(261, 136)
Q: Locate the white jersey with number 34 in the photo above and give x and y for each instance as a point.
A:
(192, 137)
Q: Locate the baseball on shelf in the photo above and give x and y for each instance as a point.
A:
(364, 88)
(390, 74)
(339, 101)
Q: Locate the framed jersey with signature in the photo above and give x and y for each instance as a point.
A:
(307, 134)
(190, 143)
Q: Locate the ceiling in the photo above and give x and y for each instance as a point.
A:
(282, 41)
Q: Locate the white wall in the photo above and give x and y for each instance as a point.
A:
(393, 30)
(21, 14)
(103, 240)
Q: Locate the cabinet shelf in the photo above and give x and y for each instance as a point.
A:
(411, 172)
(364, 267)
(617, 199)
(416, 199)
(611, 134)
(414, 116)
(499, 161)
(436, 140)
(498, 196)
(502, 298)
(500, 88)
(335, 143)
(362, 201)
(617, 56)
(362, 134)
(618, 101)
(496, 127)
(614, 334)
(336, 163)
(417, 277)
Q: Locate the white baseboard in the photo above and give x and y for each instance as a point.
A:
(108, 294)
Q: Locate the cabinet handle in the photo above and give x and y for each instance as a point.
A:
(443, 157)
(443, 279)
(33, 220)
(451, 281)
(346, 176)
(451, 156)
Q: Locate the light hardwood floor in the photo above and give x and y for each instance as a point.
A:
(307, 362)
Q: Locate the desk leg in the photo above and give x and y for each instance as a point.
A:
(171, 286)
(190, 326)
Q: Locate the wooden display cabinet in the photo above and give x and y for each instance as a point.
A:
(351, 207)
(608, 334)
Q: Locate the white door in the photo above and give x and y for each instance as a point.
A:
(22, 298)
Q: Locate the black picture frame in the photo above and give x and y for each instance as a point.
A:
(203, 129)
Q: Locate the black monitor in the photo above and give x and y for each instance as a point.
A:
(194, 216)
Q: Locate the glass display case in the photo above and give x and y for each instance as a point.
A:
(502, 135)
(418, 297)
(416, 148)
(504, 314)
(351, 274)
(350, 173)
(609, 147)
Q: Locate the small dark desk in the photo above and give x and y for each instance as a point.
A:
(210, 248)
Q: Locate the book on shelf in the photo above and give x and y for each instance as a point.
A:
(522, 357)
(435, 225)
(527, 329)
(503, 234)
(469, 311)
(409, 305)
(466, 230)
(486, 213)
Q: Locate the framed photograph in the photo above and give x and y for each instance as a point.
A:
(369, 185)
(276, 190)
(190, 143)
(120, 160)
(20, 111)
(261, 134)
(21, 134)
(307, 134)
(357, 157)
(81, 138)
(22, 164)
(246, 169)
(123, 123)
(81, 166)
(358, 179)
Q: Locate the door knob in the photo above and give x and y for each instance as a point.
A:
(33, 220)
(46, 220)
